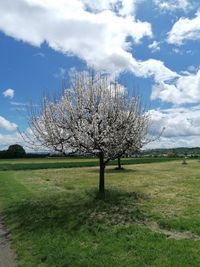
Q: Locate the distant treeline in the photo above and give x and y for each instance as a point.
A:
(173, 152)
(17, 151)
(5, 155)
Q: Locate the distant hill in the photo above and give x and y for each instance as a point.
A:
(173, 152)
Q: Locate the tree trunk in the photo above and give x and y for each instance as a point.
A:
(101, 174)
(119, 163)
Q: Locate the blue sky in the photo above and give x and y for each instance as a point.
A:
(151, 45)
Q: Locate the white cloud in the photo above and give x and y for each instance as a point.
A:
(9, 93)
(95, 31)
(97, 38)
(39, 54)
(17, 138)
(129, 7)
(177, 51)
(192, 68)
(177, 121)
(156, 69)
(14, 103)
(7, 125)
(154, 46)
(184, 89)
(182, 127)
(62, 73)
(185, 29)
(123, 7)
(19, 106)
(172, 5)
(10, 139)
(174, 142)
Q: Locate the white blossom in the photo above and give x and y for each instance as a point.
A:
(95, 115)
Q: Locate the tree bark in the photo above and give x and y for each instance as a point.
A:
(101, 174)
(119, 163)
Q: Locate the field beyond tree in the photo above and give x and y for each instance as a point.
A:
(149, 216)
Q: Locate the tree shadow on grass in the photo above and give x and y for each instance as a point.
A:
(73, 211)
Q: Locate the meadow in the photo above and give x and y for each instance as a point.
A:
(149, 216)
(55, 163)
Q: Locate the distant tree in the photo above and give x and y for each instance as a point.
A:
(129, 152)
(3, 154)
(119, 165)
(95, 115)
(15, 151)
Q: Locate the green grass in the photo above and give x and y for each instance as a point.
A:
(57, 218)
(36, 164)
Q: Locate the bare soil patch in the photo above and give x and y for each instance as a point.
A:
(7, 255)
(171, 234)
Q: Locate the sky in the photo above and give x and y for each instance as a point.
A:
(152, 46)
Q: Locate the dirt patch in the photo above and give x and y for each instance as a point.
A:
(7, 255)
(171, 234)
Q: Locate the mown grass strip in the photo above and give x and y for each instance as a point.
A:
(57, 165)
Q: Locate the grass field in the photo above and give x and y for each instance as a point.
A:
(149, 217)
(51, 163)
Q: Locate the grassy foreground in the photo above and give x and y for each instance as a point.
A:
(150, 216)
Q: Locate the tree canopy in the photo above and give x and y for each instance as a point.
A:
(13, 151)
(95, 115)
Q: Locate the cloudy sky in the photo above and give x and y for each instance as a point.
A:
(152, 45)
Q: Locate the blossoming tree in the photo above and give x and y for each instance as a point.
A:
(95, 115)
